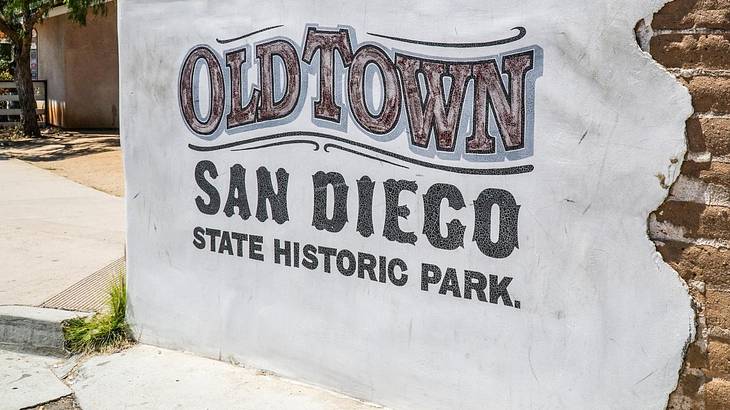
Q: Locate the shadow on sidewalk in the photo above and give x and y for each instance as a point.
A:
(59, 145)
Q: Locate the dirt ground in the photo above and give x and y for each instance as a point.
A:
(64, 403)
(92, 158)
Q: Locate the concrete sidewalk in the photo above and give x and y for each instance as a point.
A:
(27, 380)
(53, 233)
(146, 377)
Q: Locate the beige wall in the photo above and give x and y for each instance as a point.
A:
(81, 66)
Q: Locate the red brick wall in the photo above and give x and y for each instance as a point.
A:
(691, 38)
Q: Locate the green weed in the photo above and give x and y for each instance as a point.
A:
(105, 331)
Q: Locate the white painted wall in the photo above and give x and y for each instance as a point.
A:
(603, 320)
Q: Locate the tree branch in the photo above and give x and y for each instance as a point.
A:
(41, 11)
(13, 34)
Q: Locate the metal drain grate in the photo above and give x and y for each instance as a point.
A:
(89, 294)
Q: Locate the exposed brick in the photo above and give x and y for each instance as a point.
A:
(691, 383)
(707, 264)
(717, 308)
(679, 400)
(693, 262)
(718, 353)
(709, 51)
(709, 172)
(680, 14)
(717, 394)
(709, 94)
(696, 138)
(696, 358)
(698, 220)
(709, 134)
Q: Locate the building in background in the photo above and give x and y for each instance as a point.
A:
(80, 64)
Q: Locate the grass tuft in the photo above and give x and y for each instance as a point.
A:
(103, 332)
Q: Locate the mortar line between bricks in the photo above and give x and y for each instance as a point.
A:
(705, 157)
(697, 72)
(668, 231)
(688, 31)
(710, 115)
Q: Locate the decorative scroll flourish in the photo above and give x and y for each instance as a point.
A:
(522, 169)
(521, 33)
(280, 143)
(362, 154)
(231, 40)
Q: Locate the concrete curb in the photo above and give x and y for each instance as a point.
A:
(34, 330)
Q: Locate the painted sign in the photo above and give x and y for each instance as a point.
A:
(493, 97)
(425, 206)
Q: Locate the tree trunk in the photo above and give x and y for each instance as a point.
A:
(26, 93)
